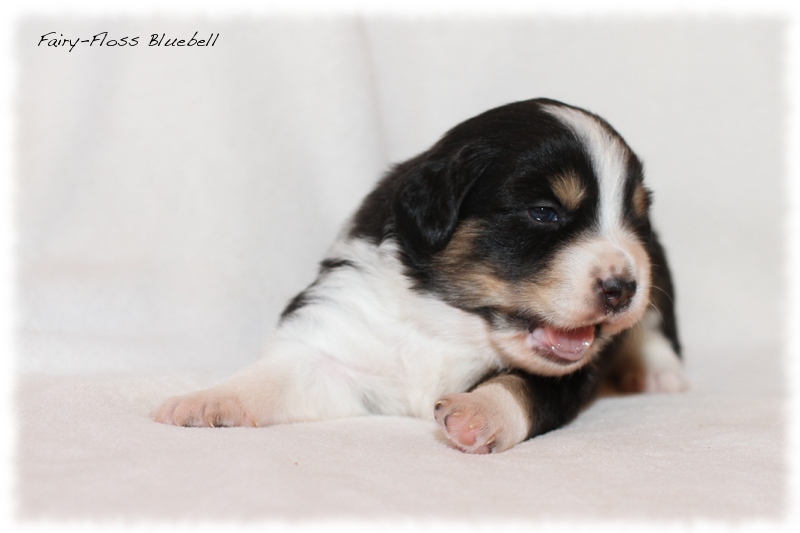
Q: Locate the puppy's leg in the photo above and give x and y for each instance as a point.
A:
(507, 409)
(291, 383)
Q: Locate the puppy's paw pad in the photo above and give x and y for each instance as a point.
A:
(467, 422)
(205, 409)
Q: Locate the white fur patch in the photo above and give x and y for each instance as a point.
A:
(609, 158)
(367, 342)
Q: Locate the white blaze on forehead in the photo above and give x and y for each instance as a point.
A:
(609, 158)
(613, 249)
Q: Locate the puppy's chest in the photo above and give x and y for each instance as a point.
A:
(429, 349)
(410, 348)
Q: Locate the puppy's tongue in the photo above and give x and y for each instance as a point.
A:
(568, 344)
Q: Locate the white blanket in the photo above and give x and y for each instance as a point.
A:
(90, 450)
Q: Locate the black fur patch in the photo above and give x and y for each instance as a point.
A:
(309, 295)
(299, 301)
(662, 294)
(332, 264)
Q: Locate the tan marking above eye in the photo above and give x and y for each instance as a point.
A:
(568, 189)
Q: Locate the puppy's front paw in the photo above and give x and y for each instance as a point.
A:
(207, 408)
(473, 423)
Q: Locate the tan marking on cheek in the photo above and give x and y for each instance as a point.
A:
(461, 244)
(497, 293)
(471, 282)
(479, 287)
(557, 293)
(569, 190)
(641, 200)
(533, 292)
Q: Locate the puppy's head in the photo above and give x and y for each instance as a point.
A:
(533, 216)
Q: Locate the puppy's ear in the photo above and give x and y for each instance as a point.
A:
(430, 193)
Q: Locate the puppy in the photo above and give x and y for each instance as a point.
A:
(490, 283)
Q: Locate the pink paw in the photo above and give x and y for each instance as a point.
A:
(207, 408)
(468, 424)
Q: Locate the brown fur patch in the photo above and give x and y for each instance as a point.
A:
(461, 243)
(569, 190)
(475, 284)
(641, 200)
(627, 363)
(468, 281)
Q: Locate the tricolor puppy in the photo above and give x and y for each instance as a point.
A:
(490, 283)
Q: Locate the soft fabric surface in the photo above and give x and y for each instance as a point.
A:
(88, 449)
(170, 201)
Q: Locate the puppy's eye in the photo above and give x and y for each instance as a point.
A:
(544, 214)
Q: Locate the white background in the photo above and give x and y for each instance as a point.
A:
(170, 200)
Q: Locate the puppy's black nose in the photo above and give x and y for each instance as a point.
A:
(616, 293)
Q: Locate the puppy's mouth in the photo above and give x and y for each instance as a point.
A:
(563, 346)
